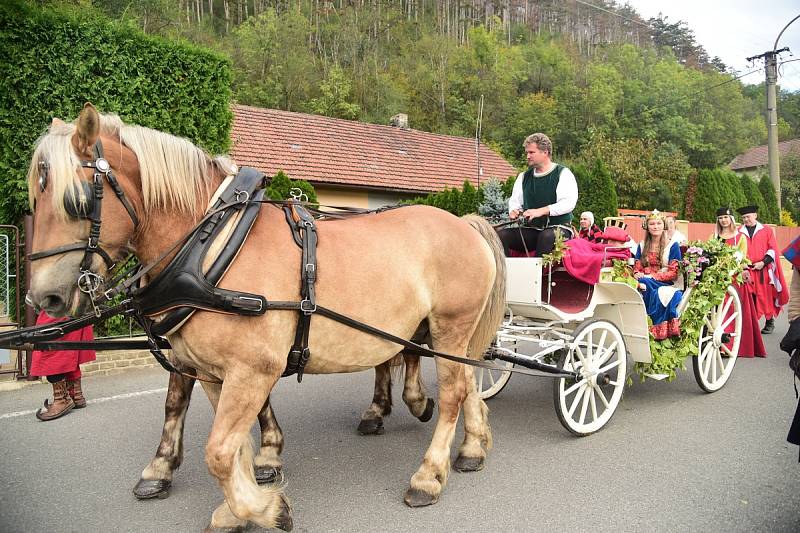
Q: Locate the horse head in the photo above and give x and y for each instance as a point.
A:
(96, 185)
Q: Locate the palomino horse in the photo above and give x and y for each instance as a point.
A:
(157, 476)
(425, 269)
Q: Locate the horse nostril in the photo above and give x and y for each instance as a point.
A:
(53, 304)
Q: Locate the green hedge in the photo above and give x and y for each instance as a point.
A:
(55, 60)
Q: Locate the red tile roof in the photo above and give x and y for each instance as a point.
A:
(331, 151)
(757, 157)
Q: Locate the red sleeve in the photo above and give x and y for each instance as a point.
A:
(670, 275)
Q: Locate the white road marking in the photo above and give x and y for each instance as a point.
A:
(95, 400)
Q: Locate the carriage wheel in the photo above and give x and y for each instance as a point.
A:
(719, 343)
(597, 351)
(491, 382)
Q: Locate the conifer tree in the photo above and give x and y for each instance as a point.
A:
(770, 214)
(495, 205)
(752, 193)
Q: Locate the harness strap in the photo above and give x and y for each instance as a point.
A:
(304, 230)
(69, 248)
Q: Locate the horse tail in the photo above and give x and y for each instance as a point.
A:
(495, 307)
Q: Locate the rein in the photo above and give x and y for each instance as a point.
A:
(301, 222)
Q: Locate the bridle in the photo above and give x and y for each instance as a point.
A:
(89, 282)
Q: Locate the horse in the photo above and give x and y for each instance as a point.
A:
(156, 478)
(430, 275)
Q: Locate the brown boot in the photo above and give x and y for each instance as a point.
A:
(62, 403)
(75, 392)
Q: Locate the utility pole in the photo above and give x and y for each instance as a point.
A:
(771, 67)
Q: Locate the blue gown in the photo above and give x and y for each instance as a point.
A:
(661, 298)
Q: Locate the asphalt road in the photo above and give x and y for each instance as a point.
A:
(672, 459)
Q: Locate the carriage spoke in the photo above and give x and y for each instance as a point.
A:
(491, 377)
(706, 358)
(610, 366)
(607, 352)
(705, 339)
(585, 404)
(593, 403)
(601, 343)
(602, 396)
(729, 320)
(726, 306)
(709, 324)
(576, 400)
(720, 362)
(572, 389)
(727, 350)
(714, 373)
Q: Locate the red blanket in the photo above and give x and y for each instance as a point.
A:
(48, 363)
(583, 259)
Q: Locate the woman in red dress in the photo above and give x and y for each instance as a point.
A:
(62, 369)
(751, 344)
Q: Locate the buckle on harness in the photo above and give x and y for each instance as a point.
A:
(250, 307)
(308, 307)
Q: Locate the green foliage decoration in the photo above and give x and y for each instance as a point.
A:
(708, 284)
(54, 60)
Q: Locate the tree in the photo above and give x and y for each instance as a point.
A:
(710, 196)
(280, 188)
(596, 192)
(769, 214)
(336, 96)
(494, 206)
(752, 193)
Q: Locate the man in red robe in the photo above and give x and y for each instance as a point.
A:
(62, 369)
(769, 286)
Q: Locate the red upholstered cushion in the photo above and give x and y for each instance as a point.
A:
(612, 233)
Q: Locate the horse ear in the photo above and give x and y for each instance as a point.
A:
(88, 127)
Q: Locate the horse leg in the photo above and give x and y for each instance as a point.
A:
(414, 391)
(372, 419)
(268, 464)
(477, 433)
(229, 455)
(429, 480)
(157, 475)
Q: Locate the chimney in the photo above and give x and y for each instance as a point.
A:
(400, 120)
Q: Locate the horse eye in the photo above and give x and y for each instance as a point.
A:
(42, 175)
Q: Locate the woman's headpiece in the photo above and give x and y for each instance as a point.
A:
(724, 211)
(656, 214)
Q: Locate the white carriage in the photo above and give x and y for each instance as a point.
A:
(590, 334)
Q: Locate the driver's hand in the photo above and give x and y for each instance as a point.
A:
(514, 215)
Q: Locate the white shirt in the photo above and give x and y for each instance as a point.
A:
(678, 237)
(566, 193)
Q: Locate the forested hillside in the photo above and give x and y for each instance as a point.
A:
(589, 73)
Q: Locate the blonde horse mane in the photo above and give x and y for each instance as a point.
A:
(174, 172)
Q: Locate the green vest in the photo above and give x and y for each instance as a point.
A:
(539, 191)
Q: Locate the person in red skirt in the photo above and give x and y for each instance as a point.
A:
(62, 369)
(751, 344)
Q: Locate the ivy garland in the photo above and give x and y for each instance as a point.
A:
(559, 249)
(709, 268)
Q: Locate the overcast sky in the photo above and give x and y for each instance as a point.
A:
(737, 29)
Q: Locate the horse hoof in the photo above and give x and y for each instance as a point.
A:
(284, 520)
(267, 474)
(468, 464)
(371, 426)
(427, 414)
(147, 489)
(419, 498)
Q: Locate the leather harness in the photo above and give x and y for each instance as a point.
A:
(182, 287)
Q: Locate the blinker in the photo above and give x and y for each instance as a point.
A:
(43, 170)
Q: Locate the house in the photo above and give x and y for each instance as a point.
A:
(755, 161)
(358, 164)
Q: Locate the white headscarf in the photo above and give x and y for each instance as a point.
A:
(590, 216)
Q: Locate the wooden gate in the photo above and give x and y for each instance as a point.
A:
(11, 361)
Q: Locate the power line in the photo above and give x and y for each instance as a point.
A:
(706, 89)
(615, 14)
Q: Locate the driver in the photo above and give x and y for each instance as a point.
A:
(544, 196)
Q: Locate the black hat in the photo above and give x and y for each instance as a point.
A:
(746, 210)
(723, 211)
